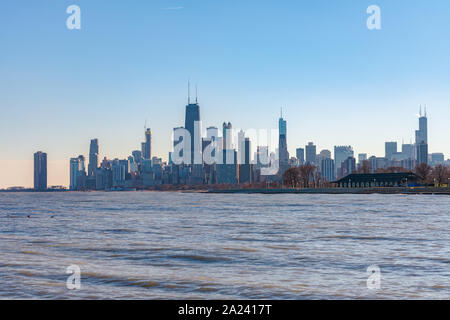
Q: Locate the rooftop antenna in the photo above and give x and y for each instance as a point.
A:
(281, 112)
(425, 111)
(420, 110)
(145, 125)
(196, 95)
(189, 91)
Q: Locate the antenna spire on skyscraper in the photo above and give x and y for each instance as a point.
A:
(196, 94)
(189, 91)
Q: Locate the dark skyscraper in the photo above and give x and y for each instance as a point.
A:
(300, 156)
(192, 125)
(422, 139)
(245, 166)
(227, 134)
(93, 157)
(283, 153)
(422, 153)
(40, 171)
(147, 145)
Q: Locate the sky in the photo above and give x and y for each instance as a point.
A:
(338, 82)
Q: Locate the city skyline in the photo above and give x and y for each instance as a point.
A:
(421, 135)
(338, 82)
(327, 164)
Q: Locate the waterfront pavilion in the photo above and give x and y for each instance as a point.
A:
(370, 180)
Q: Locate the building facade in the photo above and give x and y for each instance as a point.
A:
(40, 171)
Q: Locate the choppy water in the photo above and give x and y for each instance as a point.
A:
(185, 246)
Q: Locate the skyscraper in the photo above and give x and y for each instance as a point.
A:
(147, 145)
(40, 171)
(327, 169)
(74, 167)
(311, 153)
(262, 156)
(341, 153)
(390, 149)
(300, 153)
(137, 155)
(241, 147)
(348, 166)
(422, 133)
(283, 154)
(437, 158)
(362, 157)
(408, 151)
(422, 153)
(227, 135)
(212, 133)
(192, 125)
(93, 157)
(77, 173)
(422, 138)
(245, 167)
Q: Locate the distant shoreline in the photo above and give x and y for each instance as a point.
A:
(394, 190)
(403, 190)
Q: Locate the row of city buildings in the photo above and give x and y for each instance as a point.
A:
(213, 159)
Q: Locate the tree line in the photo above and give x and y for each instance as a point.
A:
(307, 176)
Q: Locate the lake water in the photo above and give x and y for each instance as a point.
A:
(146, 245)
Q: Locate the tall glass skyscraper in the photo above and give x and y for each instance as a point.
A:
(147, 145)
(227, 136)
(93, 157)
(40, 171)
(311, 153)
(283, 154)
(341, 153)
(192, 125)
(422, 139)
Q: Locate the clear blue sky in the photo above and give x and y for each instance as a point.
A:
(338, 82)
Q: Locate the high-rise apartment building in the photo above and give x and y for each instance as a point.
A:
(327, 169)
(227, 136)
(342, 153)
(300, 153)
(311, 153)
(77, 173)
(40, 171)
(93, 157)
(390, 149)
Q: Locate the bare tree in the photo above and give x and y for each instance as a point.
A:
(423, 170)
(365, 167)
(291, 177)
(440, 174)
(307, 174)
